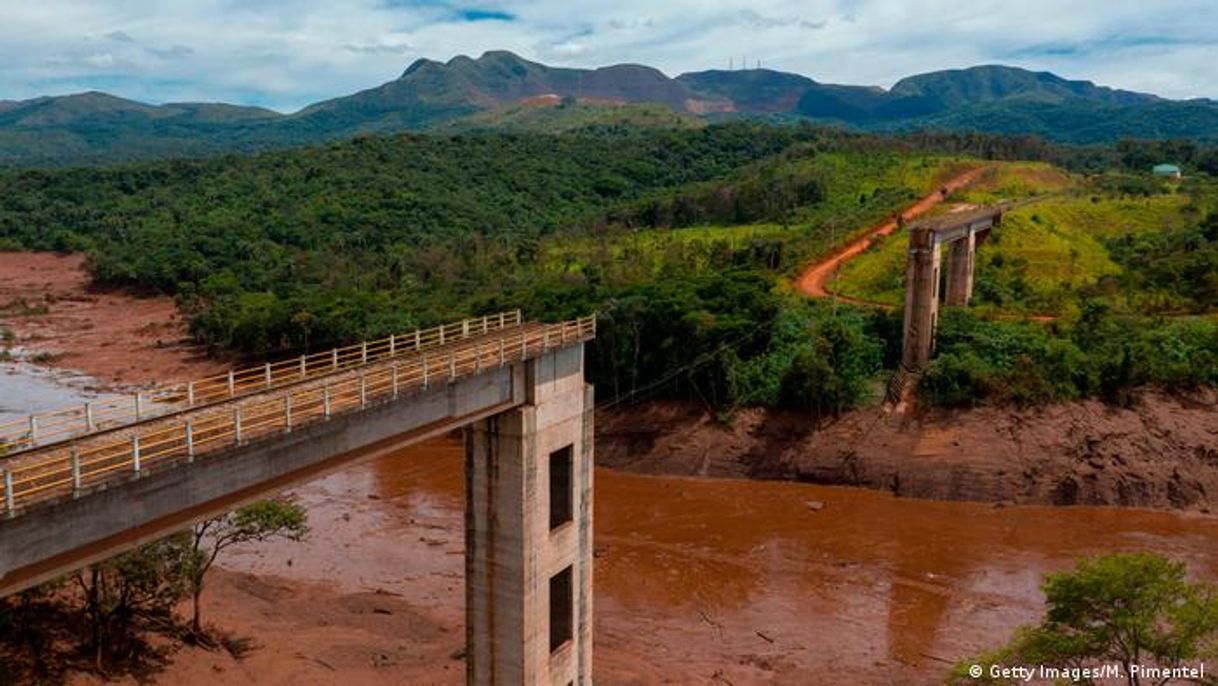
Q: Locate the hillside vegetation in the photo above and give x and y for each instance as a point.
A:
(682, 241)
(1052, 254)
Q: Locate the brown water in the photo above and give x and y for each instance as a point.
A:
(707, 581)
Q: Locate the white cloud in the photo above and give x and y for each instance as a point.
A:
(287, 53)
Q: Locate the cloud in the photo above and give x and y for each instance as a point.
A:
(288, 53)
(753, 20)
(379, 49)
(173, 52)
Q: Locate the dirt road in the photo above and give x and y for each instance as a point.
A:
(812, 282)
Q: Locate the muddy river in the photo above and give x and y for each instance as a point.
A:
(717, 581)
(714, 581)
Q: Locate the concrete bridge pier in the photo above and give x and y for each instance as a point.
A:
(960, 259)
(528, 532)
(921, 299)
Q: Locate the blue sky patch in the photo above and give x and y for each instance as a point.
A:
(485, 15)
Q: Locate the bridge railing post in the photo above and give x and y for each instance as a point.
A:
(75, 458)
(363, 390)
(502, 353)
(426, 381)
(232, 383)
(268, 375)
(190, 394)
(363, 353)
(452, 365)
(10, 506)
(188, 428)
(287, 413)
(33, 430)
(237, 425)
(392, 345)
(135, 453)
(304, 367)
(334, 358)
(90, 425)
(395, 380)
(325, 402)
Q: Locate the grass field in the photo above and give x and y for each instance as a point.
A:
(1042, 253)
(859, 192)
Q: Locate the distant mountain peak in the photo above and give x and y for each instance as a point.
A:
(418, 64)
(994, 82)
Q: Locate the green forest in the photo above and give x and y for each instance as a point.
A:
(684, 242)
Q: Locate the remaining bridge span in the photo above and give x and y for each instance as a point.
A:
(518, 387)
(924, 280)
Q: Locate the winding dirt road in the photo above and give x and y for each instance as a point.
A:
(813, 280)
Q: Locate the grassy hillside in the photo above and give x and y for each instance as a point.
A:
(837, 196)
(1045, 254)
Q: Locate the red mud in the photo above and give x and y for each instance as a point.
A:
(698, 581)
(109, 335)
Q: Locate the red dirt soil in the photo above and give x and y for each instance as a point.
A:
(113, 336)
(812, 282)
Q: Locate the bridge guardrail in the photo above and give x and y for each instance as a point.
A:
(47, 428)
(67, 471)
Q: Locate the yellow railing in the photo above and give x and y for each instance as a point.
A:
(48, 428)
(55, 472)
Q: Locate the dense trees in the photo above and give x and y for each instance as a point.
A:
(677, 238)
(1101, 352)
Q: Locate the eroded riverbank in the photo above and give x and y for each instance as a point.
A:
(1160, 453)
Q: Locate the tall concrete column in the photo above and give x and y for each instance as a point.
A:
(528, 533)
(921, 299)
(961, 257)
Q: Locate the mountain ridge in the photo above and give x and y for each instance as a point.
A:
(93, 127)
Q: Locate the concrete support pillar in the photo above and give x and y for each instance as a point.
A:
(961, 257)
(528, 533)
(921, 299)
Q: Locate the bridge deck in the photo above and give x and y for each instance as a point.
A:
(47, 428)
(274, 406)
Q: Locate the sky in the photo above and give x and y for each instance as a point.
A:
(285, 54)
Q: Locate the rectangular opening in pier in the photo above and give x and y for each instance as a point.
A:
(561, 493)
(562, 609)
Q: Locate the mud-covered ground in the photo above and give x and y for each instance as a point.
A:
(53, 312)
